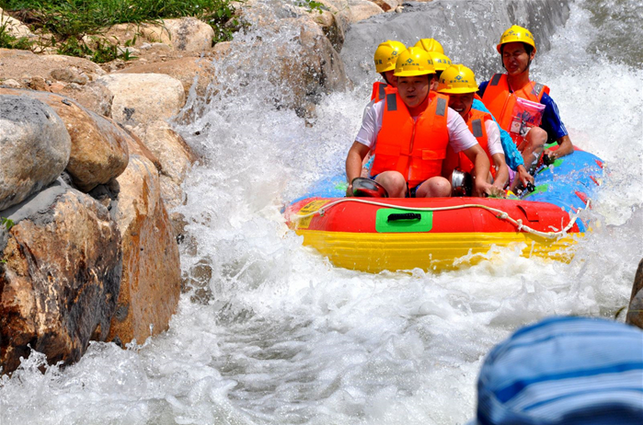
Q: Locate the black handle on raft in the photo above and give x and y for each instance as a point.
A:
(406, 216)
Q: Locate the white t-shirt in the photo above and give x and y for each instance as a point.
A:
(460, 138)
(493, 138)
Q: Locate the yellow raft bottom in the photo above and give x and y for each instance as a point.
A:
(375, 252)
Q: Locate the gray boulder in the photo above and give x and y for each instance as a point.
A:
(34, 148)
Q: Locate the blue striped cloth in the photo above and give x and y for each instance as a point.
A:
(564, 370)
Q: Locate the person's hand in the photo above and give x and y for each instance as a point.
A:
(481, 188)
(349, 190)
(496, 192)
(524, 176)
(551, 156)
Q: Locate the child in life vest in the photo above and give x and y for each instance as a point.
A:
(459, 83)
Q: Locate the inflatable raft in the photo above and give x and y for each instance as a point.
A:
(435, 234)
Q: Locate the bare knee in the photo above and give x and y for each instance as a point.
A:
(393, 182)
(537, 137)
(435, 187)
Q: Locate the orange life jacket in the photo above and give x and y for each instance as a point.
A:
(500, 101)
(415, 148)
(380, 90)
(476, 120)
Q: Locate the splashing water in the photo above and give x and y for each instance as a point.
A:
(271, 333)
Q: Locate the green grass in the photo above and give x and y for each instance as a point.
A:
(69, 20)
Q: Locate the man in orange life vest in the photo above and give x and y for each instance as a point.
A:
(504, 95)
(409, 131)
(459, 83)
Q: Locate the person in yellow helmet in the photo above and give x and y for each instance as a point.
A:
(436, 52)
(409, 132)
(430, 45)
(385, 57)
(524, 107)
(459, 83)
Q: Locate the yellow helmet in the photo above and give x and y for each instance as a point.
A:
(457, 79)
(516, 34)
(440, 61)
(413, 61)
(430, 45)
(386, 54)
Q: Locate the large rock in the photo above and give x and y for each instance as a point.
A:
(184, 34)
(34, 147)
(181, 34)
(174, 154)
(635, 310)
(65, 75)
(360, 10)
(293, 51)
(98, 145)
(140, 99)
(190, 71)
(151, 283)
(93, 96)
(22, 64)
(468, 41)
(59, 278)
(143, 103)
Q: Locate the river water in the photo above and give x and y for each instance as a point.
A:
(270, 333)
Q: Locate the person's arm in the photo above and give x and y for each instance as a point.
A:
(481, 165)
(502, 171)
(555, 128)
(356, 154)
(364, 141)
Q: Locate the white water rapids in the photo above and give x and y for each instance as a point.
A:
(277, 335)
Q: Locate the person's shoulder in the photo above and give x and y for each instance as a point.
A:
(482, 87)
(479, 106)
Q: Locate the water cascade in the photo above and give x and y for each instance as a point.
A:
(268, 332)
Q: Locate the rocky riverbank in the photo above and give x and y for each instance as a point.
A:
(91, 166)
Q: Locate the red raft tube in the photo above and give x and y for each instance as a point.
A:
(437, 234)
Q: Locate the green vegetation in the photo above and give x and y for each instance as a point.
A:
(6, 222)
(311, 5)
(69, 21)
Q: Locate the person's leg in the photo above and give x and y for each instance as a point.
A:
(533, 146)
(393, 182)
(435, 187)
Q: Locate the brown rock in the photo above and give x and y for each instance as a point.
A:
(99, 147)
(151, 282)
(635, 310)
(21, 64)
(59, 279)
(93, 96)
(184, 69)
(388, 5)
(361, 9)
(140, 99)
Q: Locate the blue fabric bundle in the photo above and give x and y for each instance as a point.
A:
(564, 370)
